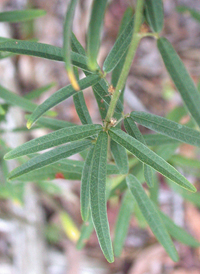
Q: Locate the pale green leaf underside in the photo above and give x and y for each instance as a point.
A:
(167, 127)
(98, 195)
(152, 216)
(50, 157)
(150, 158)
(55, 138)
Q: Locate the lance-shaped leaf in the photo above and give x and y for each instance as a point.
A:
(133, 130)
(181, 78)
(81, 108)
(39, 91)
(44, 51)
(120, 157)
(53, 124)
(150, 158)
(50, 157)
(16, 100)
(53, 139)
(67, 42)
(154, 14)
(85, 185)
(94, 31)
(167, 127)
(103, 107)
(76, 45)
(60, 96)
(120, 47)
(122, 223)
(152, 216)
(98, 195)
(158, 140)
(20, 15)
(178, 233)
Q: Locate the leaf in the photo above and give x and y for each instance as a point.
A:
(120, 48)
(155, 14)
(94, 31)
(120, 157)
(37, 92)
(67, 43)
(49, 157)
(2, 110)
(43, 51)
(122, 223)
(81, 108)
(152, 216)
(150, 158)
(133, 131)
(76, 46)
(98, 195)
(86, 231)
(85, 185)
(154, 191)
(181, 78)
(53, 124)
(158, 140)
(60, 96)
(53, 139)
(178, 233)
(103, 107)
(20, 15)
(167, 127)
(195, 14)
(69, 226)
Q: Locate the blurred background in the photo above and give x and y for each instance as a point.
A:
(33, 237)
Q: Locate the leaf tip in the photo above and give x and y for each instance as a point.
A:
(73, 80)
(29, 124)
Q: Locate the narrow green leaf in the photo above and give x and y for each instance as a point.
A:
(76, 46)
(178, 233)
(85, 185)
(152, 216)
(158, 140)
(81, 108)
(16, 100)
(120, 48)
(155, 14)
(154, 191)
(44, 51)
(94, 31)
(53, 139)
(39, 91)
(120, 157)
(86, 231)
(53, 124)
(103, 107)
(167, 127)
(67, 42)
(195, 14)
(181, 78)
(60, 96)
(150, 158)
(122, 223)
(2, 110)
(49, 157)
(98, 195)
(20, 15)
(182, 161)
(133, 131)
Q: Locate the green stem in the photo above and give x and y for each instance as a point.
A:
(129, 58)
